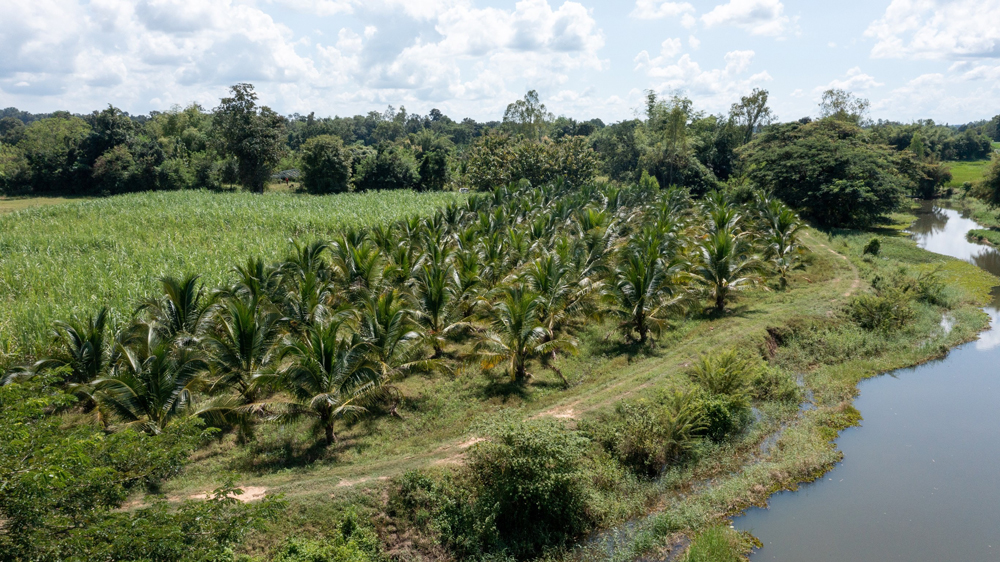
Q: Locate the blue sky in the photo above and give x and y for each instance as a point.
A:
(912, 58)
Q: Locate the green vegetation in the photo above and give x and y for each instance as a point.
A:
(503, 376)
(64, 260)
(962, 172)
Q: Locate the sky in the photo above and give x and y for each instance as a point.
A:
(913, 59)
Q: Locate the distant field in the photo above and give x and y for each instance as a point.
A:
(72, 257)
(996, 146)
(962, 172)
(11, 204)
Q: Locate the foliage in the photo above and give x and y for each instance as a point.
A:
(61, 489)
(326, 165)
(647, 437)
(830, 170)
(988, 189)
(527, 117)
(873, 247)
(527, 486)
(352, 541)
(841, 105)
(389, 168)
(250, 134)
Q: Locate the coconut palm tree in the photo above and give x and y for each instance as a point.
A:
(152, 382)
(516, 334)
(181, 311)
(243, 344)
(434, 288)
(646, 287)
(781, 236)
(727, 265)
(327, 375)
(81, 350)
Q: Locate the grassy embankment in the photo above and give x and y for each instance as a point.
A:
(803, 330)
(74, 256)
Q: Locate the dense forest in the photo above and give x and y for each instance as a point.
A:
(244, 143)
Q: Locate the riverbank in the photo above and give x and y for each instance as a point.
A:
(833, 363)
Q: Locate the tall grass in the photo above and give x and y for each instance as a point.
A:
(72, 258)
(962, 172)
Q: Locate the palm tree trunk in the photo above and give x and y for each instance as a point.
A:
(720, 299)
(331, 437)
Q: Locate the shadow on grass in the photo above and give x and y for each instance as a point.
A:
(504, 389)
(279, 454)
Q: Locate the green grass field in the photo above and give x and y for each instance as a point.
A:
(73, 256)
(962, 172)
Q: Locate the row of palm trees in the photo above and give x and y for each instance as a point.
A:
(503, 280)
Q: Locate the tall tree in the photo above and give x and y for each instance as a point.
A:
(251, 134)
(844, 106)
(750, 114)
(527, 116)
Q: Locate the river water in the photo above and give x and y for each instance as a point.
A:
(920, 480)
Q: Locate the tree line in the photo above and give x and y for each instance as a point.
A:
(244, 143)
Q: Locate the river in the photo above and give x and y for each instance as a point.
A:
(920, 480)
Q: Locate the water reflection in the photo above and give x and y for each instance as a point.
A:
(920, 480)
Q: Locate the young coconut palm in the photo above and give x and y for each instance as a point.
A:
(81, 351)
(782, 238)
(645, 288)
(328, 375)
(152, 382)
(243, 344)
(181, 311)
(434, 287)
(516, 335)
(726, 266)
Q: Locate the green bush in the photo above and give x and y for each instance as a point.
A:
(724, 415)
(326, 165)
(725, 373)
(528, 486)
(887, 308)
(645, 437)
(351, 542)
(873, 247)
(773, 384)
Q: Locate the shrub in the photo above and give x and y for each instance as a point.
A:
(528, 487)
(726, 373)
(724, 416)
(646, 437)
(351, 542)
(391, 167)
(776, 385)
(885, 310)
(326, 165)
(873, 247)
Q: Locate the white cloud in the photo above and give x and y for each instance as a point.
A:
(854, 81)
(693, 42)
(715, 88)
(931, 29)
(759, 17)
(155, 53)
(658, 9)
